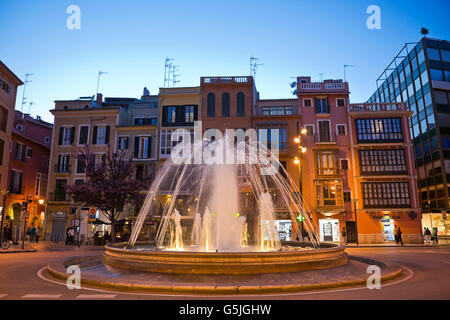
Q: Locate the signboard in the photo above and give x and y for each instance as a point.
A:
(92, 215)
(27, 214)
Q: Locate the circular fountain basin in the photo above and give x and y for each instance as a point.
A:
(293, 257)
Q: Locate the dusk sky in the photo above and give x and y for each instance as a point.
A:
(130, 40)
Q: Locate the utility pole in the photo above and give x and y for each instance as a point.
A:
(98, 78)
(24, 87)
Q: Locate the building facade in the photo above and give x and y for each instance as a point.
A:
(9, 83)
(28, 174)
(420, 77)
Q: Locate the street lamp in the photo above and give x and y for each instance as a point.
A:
(356, 220)
(297, 161)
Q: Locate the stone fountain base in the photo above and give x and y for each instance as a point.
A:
(226, 263)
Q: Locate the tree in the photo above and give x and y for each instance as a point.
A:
(109, 185)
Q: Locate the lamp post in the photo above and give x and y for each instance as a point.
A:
(356, 220)
(298, 161)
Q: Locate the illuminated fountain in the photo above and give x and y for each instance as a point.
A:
(206, 226)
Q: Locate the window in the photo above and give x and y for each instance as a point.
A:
(66, 135)
(166, 143)
(376, 162)
(240, 104)
(347, 196)
(145, 121)
(46, 139)
(282, 137)
(101, 134)
(211, 105)
(5, 86)
(436, 74)
(2, 150)
(190, 114)
(3, 118)
(99, 159)
(16, 182)
(344, 164)
(29, 152)
(81, 168)
(41, 185)
(226, 104)
(20, 152)
(341, 102)
(63, 165)
(322, 105)
(386, 195)
(324, 131)
(123, 143)
(328, 194)
(84, 132)
(277, 111)
(327, 163)
(60, 191)
(19, 127)
(142, 147)
(309, 130)
(171, 114)
(433, 54)
(379, 130)
(307, 102)
(341, 129)
(79, 182)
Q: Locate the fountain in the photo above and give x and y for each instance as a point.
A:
(218, 216)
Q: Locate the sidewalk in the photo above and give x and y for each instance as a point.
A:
(388, 245)
(46, 246)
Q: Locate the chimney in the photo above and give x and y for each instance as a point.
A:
(99, 99)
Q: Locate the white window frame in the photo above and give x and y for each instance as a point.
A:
(14, 181)
(140, 157)
(21, 150)
(310, 99)
(26, 151)
(313, 128)
(329, 126)
(63, 156)
(95, 159)
(345, 103)
(103, 125)
(65, 127)
(126, 136)
(337, 129)
(79, 134)
(47, 139)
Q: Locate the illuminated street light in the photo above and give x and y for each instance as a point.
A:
(304, 131)
(41, 201)
(303, 149)
(297, 160)
(297, 139)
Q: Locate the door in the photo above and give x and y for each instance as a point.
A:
(58, 230)
(350, 227)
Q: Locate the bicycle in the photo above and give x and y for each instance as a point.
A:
(6, 244)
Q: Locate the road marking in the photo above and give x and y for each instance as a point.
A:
(411, 274)
(96, 296)
(3, 295)
(41, 296)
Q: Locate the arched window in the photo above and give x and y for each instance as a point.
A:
(240, 104)
(226, 104)
(211, 105)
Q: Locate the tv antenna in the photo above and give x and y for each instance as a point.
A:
(29, 107)
(254, 66)
(345, 67)
(167, 68)
(174, 75)
(321, 77)
(98, 78)
(24, 86)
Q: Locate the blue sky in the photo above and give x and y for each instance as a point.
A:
(130, 40)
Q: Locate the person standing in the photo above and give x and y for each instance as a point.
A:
(427, 235)
(398, 236)
(435, 235)
(37, 234)
(32, 233)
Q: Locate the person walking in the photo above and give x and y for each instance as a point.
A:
(435, 235)
(37, 234)
(427, 234)
(32, 233)
(398, 236)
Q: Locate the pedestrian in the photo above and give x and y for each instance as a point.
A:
(427, 234)
(71, 236)
(435, 235)
(5, 234)
(37, 234)
(32, 233)
(398, 236)
(344, 235)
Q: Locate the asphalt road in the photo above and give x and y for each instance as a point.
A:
(428, 277)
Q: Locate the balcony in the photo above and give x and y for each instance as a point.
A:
(224, 80)
(328, 172)
(377, 107)
(326, 86)
(59, 195)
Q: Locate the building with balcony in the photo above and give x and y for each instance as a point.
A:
(385, 183)
(419, 75)
(9, 83)
(28, 171)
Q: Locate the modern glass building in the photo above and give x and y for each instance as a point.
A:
(420, 76)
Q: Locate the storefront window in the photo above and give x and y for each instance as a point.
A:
(329, 230)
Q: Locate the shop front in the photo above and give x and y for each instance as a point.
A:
(437, 220)
(329, 230)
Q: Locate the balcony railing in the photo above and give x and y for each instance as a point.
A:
(366, 107)
(324, 138)
(328, 172)
(58, 196)
(221, 80)
(323, 86)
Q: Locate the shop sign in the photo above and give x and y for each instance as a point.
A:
(386, 218)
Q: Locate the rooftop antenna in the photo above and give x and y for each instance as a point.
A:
(98, 78)
(321, 77)
(29, 107)
(167, 66)
(345, 67)
(174, 75)
(254, 66)
(24, 86)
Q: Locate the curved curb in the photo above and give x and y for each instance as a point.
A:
(217, 289)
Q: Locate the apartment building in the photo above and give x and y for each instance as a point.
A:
(9, 83)
(419, 75)
(81, 124)
(28, 171)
